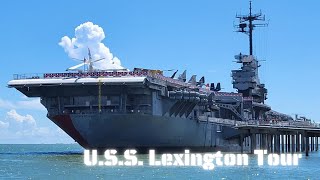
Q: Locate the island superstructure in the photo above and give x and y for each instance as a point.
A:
(144, 109)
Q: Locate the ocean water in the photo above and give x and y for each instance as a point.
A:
(66, 161)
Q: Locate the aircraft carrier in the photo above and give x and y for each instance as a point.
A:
(145, 109)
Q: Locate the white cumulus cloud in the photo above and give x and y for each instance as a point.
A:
(4, 125)
(89, 35)
(27, 119)
(33, 104)
(20, 124)
(18, 128)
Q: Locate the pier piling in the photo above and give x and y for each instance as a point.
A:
(307, 146)
(297, 142)
(253, 142)
(288, 143)
(282, 143)
(292, 144)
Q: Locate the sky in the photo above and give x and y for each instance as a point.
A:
(197, 36)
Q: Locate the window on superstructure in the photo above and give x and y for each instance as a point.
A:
(115, 100)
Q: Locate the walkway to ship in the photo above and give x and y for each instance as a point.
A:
(275, 136)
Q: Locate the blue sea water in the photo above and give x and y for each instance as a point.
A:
(66, 161)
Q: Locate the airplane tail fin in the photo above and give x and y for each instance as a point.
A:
(183, 77)
(212, 88)
(193, 80)
(201, 81)
(174, 74)
(218, 88)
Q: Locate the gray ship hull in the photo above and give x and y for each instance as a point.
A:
(142, 132)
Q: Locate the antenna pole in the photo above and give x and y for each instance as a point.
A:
(84, 64)
(247, 26)
(250, 29)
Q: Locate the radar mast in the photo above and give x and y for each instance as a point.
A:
(246, 25)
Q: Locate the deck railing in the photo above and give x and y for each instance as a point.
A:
(271, 123)
(28, 76)
(77, 75)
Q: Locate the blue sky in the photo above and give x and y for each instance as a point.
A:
(196, 35)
